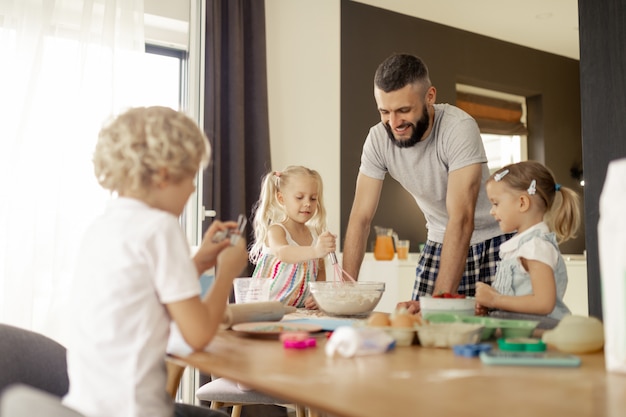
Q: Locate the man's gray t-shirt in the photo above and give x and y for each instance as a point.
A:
(423, 169)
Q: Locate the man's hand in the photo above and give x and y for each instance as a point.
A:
(413, 307)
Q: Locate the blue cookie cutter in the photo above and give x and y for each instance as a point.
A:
(471, 350)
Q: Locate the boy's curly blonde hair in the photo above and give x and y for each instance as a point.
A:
(139, 146)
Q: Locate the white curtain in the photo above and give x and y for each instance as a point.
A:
(62, 62)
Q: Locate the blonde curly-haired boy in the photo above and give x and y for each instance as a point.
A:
(135, 274)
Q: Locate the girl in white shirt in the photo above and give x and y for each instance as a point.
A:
(531, 278)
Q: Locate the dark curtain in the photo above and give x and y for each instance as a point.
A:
(602, 68)
(236, 119)
(236, 109)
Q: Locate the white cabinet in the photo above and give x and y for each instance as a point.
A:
(398, 276)
(576, 294)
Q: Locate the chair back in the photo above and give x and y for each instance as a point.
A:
(32, 359)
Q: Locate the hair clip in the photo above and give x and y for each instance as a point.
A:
(557, 187)
(533, 188)
(500, 175)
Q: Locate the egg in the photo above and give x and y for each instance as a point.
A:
(378, 319)
(402, 320)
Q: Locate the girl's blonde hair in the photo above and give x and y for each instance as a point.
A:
(139, 146)
(268, 211)
(561, 204)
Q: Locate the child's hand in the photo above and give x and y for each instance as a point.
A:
(232, 260)
(326, 243)
(207, 253)
(480, 310)
(485, 295)
(309, 303)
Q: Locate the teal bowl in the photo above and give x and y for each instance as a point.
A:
(441, 317)
(516, 328)
(489, 325)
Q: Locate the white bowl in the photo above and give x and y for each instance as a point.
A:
(347, 298)
(459, 306)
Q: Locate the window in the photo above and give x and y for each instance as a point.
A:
(47, 169)
(159, 78)
(503, 150)
(501, 118)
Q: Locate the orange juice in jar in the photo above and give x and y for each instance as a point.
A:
(383, 247)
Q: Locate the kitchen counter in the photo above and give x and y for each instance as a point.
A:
(398, 275)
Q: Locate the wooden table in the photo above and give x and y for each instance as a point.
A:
(412, 381)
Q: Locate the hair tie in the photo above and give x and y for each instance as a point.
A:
(557, 187)
(277, 175)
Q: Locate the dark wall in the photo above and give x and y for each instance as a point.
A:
(603, 86)
(550, 83)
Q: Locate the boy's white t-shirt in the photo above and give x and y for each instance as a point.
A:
(133, 260)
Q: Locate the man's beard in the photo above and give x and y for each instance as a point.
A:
(419, 128)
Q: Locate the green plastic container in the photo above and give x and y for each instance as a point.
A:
(522, 344)
(516, 328)
(508, 327)
(442, 317)
(489, 325)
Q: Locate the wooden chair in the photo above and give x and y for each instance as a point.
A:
(222, 392)
(174, 375)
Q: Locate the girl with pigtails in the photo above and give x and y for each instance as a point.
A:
(531, 278)
(290, 234)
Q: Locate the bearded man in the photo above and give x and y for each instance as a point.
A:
(436, 153)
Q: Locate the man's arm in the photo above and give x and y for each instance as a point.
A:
(463, 187)
(364, 207)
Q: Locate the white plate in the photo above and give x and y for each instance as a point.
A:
(274, 328)
(462, 306)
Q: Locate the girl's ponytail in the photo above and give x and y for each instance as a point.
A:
(565, 214)
(265, 211)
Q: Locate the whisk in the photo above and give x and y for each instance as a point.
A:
(339, 271)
